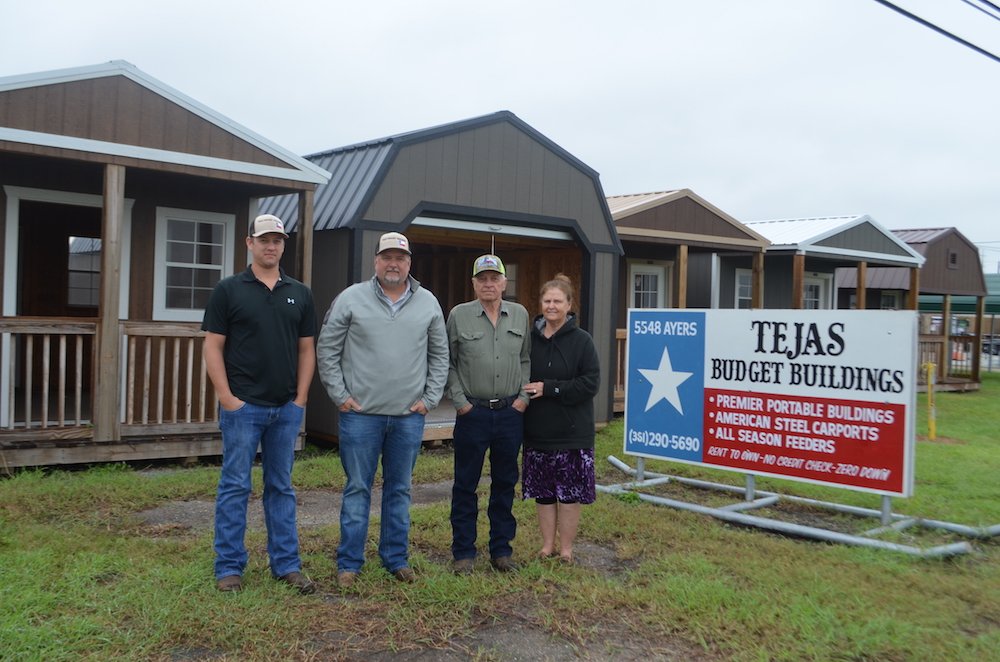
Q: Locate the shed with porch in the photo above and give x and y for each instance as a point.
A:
(672, 240)
(952, 268)
(122, 203)
(800, 263)
(486, 184)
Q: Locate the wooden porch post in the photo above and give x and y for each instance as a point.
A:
(977, 345)
(304, 254)
(107, 421)
(913, 296)
(862, 288)
(757, 278)
(798, 279)
(682, 276)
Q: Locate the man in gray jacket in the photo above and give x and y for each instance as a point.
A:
(383, 358)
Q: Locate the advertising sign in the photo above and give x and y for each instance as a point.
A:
(822, 396)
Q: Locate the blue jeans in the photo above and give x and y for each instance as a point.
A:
(275, 429)
(363, 438)
(500, 432)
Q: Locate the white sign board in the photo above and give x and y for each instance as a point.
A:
(822, 396)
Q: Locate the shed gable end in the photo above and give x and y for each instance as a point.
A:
(115, 109)
(866, 238)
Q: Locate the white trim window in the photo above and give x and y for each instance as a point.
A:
(891, 300)
(816, 292)
(192, 256)
(743, 294)
(648, 284)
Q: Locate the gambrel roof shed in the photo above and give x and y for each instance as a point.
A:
(952, 265)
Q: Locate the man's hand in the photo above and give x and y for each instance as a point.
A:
(519, 405)
(465, 409)
(350, 405)
(231, 403)
(419, 407)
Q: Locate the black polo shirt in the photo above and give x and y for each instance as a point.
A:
(262, 329)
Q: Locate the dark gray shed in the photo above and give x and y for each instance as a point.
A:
(457, 191)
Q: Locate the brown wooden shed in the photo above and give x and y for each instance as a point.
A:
(672, 240)
(122, 203)
(951, 268)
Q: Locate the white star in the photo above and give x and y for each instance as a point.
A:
(665, 381)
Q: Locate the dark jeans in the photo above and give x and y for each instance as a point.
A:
(500, 432)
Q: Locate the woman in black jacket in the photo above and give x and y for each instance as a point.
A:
(558, 457)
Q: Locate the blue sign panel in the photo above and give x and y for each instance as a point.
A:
(665, 383)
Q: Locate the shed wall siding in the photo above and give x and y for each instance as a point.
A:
(864, 237)
(684, 215)
(118, 110)
(494, 167)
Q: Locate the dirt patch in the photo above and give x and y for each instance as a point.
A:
(315, 508)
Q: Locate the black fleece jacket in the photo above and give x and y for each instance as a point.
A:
(567, 364)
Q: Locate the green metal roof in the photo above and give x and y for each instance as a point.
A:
(931, 303)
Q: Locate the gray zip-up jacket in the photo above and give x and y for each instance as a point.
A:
(385, 361)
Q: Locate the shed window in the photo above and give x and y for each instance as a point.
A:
(744, 289)
(191, 250)
(952, 259)
(84, 272)
(648, 285)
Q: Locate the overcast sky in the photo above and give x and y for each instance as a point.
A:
(766, 108)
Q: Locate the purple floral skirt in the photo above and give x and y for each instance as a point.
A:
(564, 475)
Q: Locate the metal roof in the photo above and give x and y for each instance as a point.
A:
(633, 203)
(353, 172)
(806, 235)
(921, 235)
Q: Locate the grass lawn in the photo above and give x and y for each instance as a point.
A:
(82, 577)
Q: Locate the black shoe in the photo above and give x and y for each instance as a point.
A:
(504, 564)
(230, 584)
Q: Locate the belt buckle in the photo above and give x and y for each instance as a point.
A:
(495, 403)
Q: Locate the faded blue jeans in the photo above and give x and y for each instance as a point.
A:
(275, 429)
(363, 438)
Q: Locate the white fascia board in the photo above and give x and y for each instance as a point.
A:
(877, 259)
(160, 155)
(492, 228)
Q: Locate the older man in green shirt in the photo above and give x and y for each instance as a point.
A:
(490, 344)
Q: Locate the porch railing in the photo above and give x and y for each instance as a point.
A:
(167, 390)
(621, 335)
(48, 364)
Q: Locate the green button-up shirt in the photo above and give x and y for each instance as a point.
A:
(488, 362)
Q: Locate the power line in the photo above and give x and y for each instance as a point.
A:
(985, 11)
(928, 24)
(990, 4)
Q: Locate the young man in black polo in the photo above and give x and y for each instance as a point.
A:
(260, 355)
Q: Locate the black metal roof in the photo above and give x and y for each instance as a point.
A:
(358, 169)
